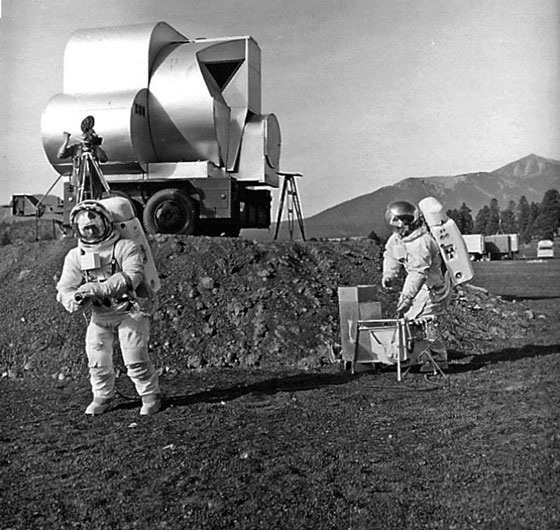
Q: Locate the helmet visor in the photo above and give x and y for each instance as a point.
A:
(398, 221)
(91, 226)
(402, 217)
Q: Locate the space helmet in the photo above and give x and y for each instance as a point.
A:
(92, 222)
(402, 216)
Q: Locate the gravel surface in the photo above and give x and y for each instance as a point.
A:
(261, 428)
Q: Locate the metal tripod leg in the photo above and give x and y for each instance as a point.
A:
(290, 196)
(295, 204)
(92, 183)
(280, 208)
(434, 364)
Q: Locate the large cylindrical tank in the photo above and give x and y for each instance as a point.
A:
(120, 118)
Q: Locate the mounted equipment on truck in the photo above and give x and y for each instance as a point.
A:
(181, 119)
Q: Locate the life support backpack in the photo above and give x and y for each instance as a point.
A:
(450, 242)
(129, 227)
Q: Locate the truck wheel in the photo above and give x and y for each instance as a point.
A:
(169, 211)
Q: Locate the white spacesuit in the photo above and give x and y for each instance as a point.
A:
(427, 288)
(102, 273)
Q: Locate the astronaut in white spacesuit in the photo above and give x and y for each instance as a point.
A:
(427, 287)
(102, 273)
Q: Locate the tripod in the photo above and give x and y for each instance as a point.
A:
(289, 189)
(91, 181)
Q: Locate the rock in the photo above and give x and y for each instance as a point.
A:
(206, 283)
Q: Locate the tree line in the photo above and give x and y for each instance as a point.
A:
(529, 220)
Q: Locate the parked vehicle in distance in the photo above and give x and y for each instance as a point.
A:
(475, 246)
(494, 247)
(545, 249)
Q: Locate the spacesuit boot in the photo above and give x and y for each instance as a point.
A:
(429, 347)
(98, 406)
(150, 405)
(432, 357)
(146, 381)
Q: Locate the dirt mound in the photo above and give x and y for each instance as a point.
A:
(225, 302)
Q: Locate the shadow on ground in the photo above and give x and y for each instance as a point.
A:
(477, 362)
(312, 381)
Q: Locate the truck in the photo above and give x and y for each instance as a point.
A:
(492, 247)
(181, 123)
(475, 246)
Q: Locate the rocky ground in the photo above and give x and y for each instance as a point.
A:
(261, 427)
(226, 302)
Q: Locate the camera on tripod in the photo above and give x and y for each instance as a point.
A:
(89, 137)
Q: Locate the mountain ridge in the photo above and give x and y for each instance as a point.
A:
(530, 176)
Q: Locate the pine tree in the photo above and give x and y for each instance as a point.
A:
(547, 221)
(529, 232)
(466, 223)
(508, 223)
(493, 224)
(481, 220)
(455, 215)
(523, 212)
(374, 237)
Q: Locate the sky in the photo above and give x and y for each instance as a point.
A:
(367, 92)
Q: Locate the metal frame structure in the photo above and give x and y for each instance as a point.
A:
(399, 339)
(290, 195)
(400, 343)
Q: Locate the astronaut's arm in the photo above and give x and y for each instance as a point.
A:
(419, 263)
(114, 287)
(63, 150)
(392, 267)
(101, 154)
(123, 282)
(68, 284)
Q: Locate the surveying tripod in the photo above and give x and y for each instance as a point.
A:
(289, 191)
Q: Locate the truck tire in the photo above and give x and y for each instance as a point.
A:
(170, 211)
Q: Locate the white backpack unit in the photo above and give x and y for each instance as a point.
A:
(129, 227)
(449, 239)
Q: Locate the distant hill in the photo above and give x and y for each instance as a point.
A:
(531, 176)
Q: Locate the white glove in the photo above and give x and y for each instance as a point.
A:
(117, 285)
(405, 302)
(73, 307)
(69, 302)
(90, 290)
(387, 282)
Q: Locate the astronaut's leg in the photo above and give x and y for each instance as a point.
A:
(435, 344)
(99, 350)
(435, 341)
(134, 335)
